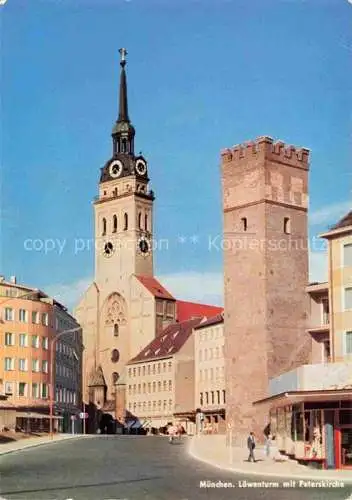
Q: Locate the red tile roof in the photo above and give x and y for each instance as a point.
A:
(344, 222)
(168, 342)
(188, 310)
(155, 287)
(215, 320)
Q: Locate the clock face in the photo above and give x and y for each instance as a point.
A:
(141, 167)
(108, 249)
(115, 169)
(144, 246)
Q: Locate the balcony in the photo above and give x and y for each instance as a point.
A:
(323, 376)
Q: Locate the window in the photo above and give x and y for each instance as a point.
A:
(44, 366)
(116, 330)
(9, 314)
(44, 391)
(347, 255)
(125, 221)
(164, 385)
(8, 364)
(206, 398)
(45, 319)
(45, 343)
(217, 352)
(146, 222)
(348, 298)
(35, 391)
(287, 225)
(223, 397)
(103, 233)
(8, 388)
(170, 385)
(218, 397)
(159, 386)
(201, 399)
(348, 342)
(35, 317)
(35, 365)
(35, 341)
(22, 365)
(23, 340)
(9, 339)
(22, 389)
(23, 316)
(114, 224)
(244, 223)
(139, 220)
(212, 397)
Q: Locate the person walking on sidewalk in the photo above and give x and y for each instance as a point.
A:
(251, 446)
(268, 443)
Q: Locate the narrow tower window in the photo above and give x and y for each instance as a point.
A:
(116, 330)
(140, 220)
(146, 222)
(114, 223)
(104, 227)
(287, 225)
(244, 223)
(125, 222)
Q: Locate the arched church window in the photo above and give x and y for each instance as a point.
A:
(125, 222)
(146, 222)
(115, 355)
(140, 220)
(114, 223)
(116, 330)
(104, 227)
(115, 378)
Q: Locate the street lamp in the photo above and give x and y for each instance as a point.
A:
(52, 345)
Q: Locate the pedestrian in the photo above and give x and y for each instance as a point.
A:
(268, 442)
(251, 446)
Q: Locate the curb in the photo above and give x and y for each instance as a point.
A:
(35, 445)
(193, 454)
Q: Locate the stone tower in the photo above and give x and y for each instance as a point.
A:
(265, 201)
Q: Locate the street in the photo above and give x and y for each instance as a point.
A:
(130, 468)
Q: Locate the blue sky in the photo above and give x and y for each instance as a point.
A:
(202, 76)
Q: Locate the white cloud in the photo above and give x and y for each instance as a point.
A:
(329, 213)
(206, 288)
(68, 294)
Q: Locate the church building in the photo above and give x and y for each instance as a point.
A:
(125, 307)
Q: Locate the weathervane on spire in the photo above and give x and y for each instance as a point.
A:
(123, 53)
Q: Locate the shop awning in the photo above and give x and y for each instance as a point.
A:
(37, 415)
(293, 397)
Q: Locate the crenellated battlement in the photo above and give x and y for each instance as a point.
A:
(264, 147)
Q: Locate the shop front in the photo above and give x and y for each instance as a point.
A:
(314, 428)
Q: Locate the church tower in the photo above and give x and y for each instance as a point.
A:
(124, 208)
(117, 312)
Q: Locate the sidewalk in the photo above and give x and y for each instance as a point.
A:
(22, 444)
(213, 451)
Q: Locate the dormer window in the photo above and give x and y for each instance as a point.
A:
(244, 223)
(287, 225)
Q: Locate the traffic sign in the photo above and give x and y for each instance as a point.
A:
(83, 415)
(73, 417)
